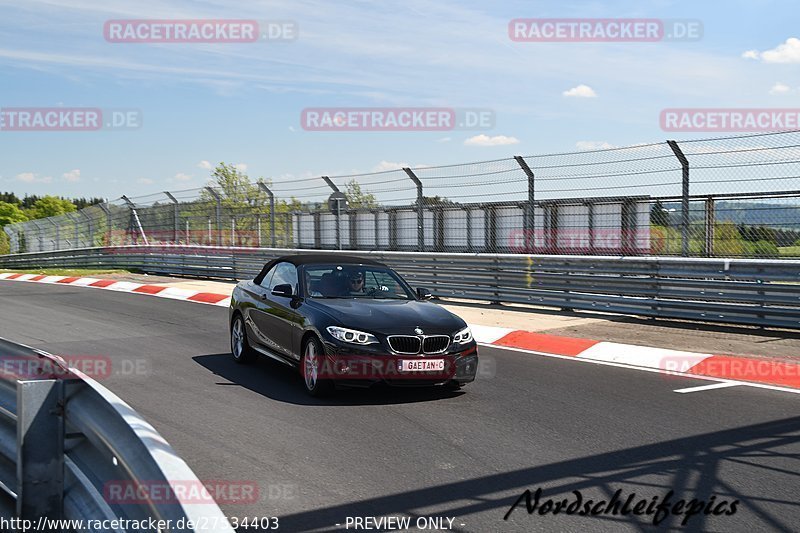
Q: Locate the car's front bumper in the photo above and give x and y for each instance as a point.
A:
(365, 369)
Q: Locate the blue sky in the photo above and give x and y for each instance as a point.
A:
(241, 103)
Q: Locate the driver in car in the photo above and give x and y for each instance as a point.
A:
(356, 284)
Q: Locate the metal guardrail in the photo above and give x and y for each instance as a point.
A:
(738, 291)
(63, 439)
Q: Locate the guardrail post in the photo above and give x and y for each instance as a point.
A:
(218, 214)
(530, 220)
(420, 210)
(175, 215)
(710, 219)
(40, 449)
(684, 197)
(263, 187)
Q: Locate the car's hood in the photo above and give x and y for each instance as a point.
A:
(391, 316)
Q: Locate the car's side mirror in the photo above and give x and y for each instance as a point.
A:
(424, 294)
(284, 289)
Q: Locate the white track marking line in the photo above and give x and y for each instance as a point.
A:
(488, 333)
(642, 368)
(722, 385)
(51, 279)
(643, 356)
(83, 282)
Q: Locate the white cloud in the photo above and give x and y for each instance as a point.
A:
(788, 52)
(180, 176)
(581, 91)
(388, 165)
(593, 145)
(72, 176)
(145, 181)
(241, 167)
(485, 140)
(444, 140)
(204, 165)
(30, 177)
(780, 88)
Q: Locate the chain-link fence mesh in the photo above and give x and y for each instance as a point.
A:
(725, 197)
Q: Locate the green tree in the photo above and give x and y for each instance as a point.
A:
(357, 199)
(727, 240)
(659, 215)
(5, 245)
(50, 206)
(11, 214)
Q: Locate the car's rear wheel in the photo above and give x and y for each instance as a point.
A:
(240, 348)
(311, 368)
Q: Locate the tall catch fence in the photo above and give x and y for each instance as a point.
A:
(719, 197)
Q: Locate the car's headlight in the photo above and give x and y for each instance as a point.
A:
(351, 335)
(463, 336)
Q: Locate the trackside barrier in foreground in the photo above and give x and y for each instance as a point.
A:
(739, 291)
(64, 438)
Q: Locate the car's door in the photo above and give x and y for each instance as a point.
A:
(257, 296)
(277, 317)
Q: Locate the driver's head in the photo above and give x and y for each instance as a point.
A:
(355, 280)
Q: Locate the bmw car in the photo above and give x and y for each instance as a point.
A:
(349, 321)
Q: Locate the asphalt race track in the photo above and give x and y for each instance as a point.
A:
(528, 422)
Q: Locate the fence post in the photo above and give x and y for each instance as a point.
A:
(263, 187)
(40, 449)
(41, 236)
(58, 233)
(338, 212)
(175, 214)
(135, 216)
(90, 228)
(530, 220)
(684, 197)
(77, 229)
(469, 227)
(710, 220)
(109, 222)
(420, 210)
(218, 214)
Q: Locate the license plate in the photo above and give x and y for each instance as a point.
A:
(420, 365)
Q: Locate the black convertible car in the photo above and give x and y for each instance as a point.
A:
(350, 321)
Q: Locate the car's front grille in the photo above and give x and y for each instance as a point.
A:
(404, 343)
(409, 344)
(435, 343)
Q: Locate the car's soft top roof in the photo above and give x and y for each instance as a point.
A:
(308, 259)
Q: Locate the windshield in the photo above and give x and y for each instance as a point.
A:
(354, 281)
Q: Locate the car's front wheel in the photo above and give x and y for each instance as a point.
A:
(311, 368)
(240, 348)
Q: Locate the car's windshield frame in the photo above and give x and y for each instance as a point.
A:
(365, 268)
